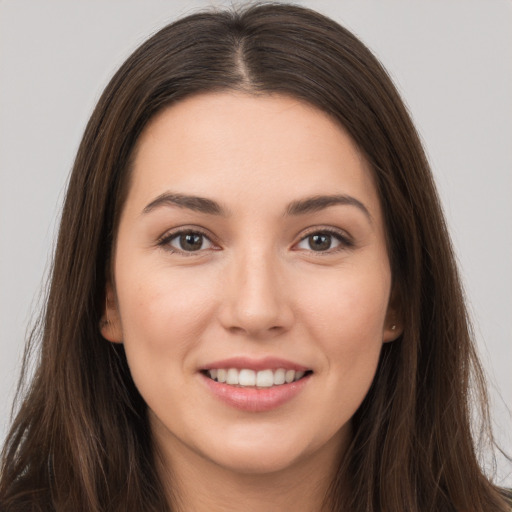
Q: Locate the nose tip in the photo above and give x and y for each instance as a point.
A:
(255, 302)
(256, 323)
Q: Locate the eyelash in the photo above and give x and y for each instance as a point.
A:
(344, 240)
(165, 241)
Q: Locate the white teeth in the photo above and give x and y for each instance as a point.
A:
(265, 379)
(247, 378)
(232, 376)
(279, 377)
(251, 378)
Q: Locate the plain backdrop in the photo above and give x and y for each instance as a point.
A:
(451, 60)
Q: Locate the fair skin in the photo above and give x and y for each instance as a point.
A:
(263, 277)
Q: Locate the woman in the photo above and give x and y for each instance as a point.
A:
(254, 302)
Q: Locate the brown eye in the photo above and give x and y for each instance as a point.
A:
(190, 241)
(323, 241)
(319, 242)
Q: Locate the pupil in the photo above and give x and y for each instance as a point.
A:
(320, 242)
(191, 241)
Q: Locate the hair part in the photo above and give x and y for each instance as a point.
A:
(81, 439)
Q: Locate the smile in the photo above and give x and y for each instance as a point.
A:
(255, 385)
(250, 378)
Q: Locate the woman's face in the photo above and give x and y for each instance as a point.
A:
(251, 250)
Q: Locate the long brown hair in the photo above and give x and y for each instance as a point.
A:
(81, 441)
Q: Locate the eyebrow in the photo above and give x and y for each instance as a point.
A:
(318, 203)
(194, 203)
(211, 207)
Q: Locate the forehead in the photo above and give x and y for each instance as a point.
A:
(238, 146)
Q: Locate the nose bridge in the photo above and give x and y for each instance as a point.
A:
(256, 299)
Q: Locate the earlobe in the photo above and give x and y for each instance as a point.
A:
(392, 331)
(393, 326)
(110, 322)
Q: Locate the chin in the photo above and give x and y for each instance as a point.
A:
(267, 454)
(255, 461)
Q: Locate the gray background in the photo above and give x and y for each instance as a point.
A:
(451, 60)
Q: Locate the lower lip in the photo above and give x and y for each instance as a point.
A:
(256, 399)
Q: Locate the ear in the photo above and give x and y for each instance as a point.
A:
(110, 323)
(393, 325)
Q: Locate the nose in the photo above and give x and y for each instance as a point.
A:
(256, 303)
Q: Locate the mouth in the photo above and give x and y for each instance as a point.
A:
(248, 378)
(256, 384)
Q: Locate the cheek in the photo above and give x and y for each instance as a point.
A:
(163, 313)
(346, 317)
(343, 316)
(353, 306)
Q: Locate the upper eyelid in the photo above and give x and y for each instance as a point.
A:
(164, 242)
(172, 233)
(324, 229)
(345, 239)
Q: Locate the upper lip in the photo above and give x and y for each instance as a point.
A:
(256, 364)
